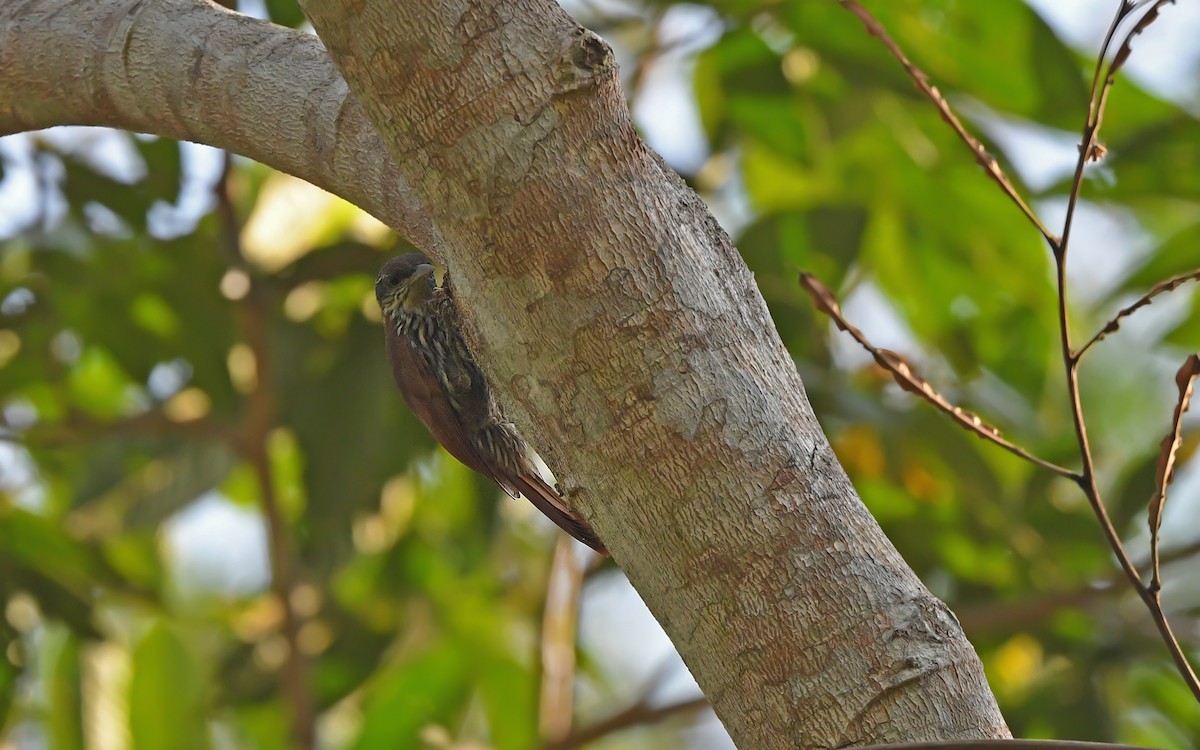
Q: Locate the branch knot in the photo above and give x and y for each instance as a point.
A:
(588, 61)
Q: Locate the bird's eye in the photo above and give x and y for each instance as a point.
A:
(394, 279)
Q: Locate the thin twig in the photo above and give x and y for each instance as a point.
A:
(78, 428)
(1087, 480)
(1185, 380)
(1001, 616)
(1089, 150)
(907, 378)
(1097, 100)
(259, 418)
(993, 616)
(1162, 287)
(985, 159)
(637, 714)
(559, 626)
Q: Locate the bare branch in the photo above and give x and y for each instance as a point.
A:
(1127, 46)
(638, 714)
(1162, 287)
(910, 380)
(998, 617)
(559, 625)
(985, 159)
(1089, 149)
(79, 428)
(257, 424)
(1087, 482)
(1185, 380)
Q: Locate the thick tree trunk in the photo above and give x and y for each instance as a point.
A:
(616, 321)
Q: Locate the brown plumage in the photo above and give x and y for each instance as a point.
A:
(441, 383)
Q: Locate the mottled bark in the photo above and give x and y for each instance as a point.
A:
(615, 319)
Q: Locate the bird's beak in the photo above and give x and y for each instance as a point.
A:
(416, 290)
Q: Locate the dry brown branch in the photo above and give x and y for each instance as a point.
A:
(1185, 380)
(1149, 594)
(638, 714)
(910, 380)
(257, 423)
(1127, 46)
(995, 617)
(1089, 150)
(559, 625)
(79, 428)
(990, 166)
(1162, 287)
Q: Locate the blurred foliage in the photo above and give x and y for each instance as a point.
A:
(140, 351)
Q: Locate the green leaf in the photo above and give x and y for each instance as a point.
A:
(510, 698)
(424, 691)
(40, 544)
(138, 482)
(135, 557)
(740, 64)
(166, 693)
(152, 313)
(285, 12)
(61, 677)
(164, 167)
(99, 386)
(8, 677)
(265, 725)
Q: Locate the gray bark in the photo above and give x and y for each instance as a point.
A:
(615, 319)
(191, 70)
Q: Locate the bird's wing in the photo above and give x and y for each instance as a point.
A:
(423, 392)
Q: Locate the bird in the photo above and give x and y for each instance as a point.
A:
(443, 386)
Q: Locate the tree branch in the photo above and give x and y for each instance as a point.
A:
(258, 422)
(990, 166)
(625, 337)
(1185, 380)
(194, 71)
(907, 377)
(1087, 481)
(1162, 287)
(1089, 150)
(1008, 745)
(637, 714)
(618, 325)
(560, 619)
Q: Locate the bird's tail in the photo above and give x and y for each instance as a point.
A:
(546, 499)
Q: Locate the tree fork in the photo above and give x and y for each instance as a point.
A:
(613, 316)
(626, 336)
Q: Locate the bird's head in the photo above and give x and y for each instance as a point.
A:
(404, 284)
